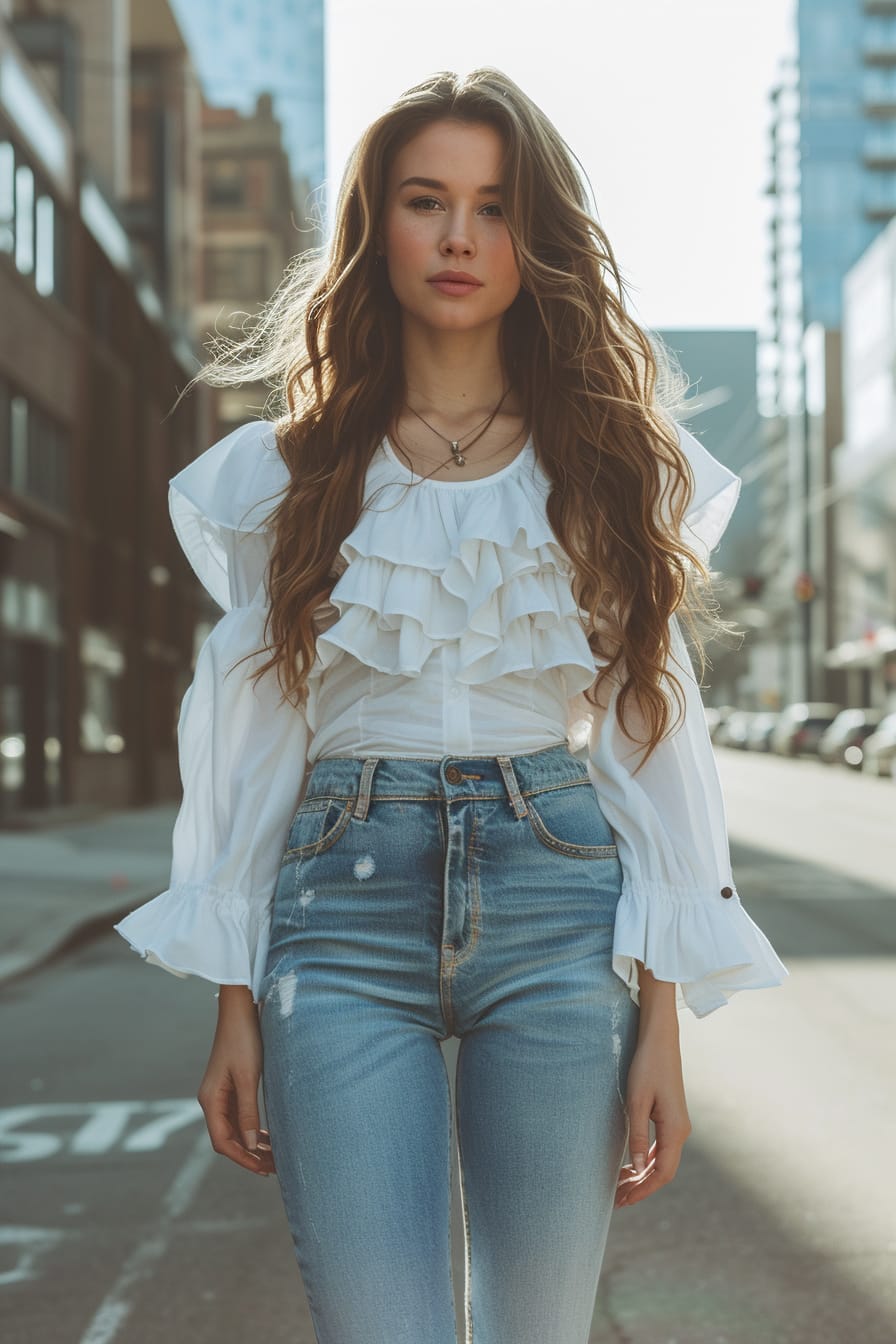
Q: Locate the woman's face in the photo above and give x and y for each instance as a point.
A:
(443, 214)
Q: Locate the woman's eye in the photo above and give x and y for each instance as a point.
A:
(427, 202)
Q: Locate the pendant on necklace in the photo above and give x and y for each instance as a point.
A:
(459, 458)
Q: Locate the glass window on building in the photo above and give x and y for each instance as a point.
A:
(31, 670)
(224, 184)
(24, 219)
(7, 197)
(4, 432)
(31, 231)
(823, 191)
(47, 461)
(102, 679)
(143, 138)
(18, 444)
(12, 728)
(31, 728)
(31, 577)
(33, 451)
(237, 273)
(44, 245)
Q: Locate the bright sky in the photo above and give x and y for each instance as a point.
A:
(665, 104)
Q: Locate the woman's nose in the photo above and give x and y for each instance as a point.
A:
(458, 241)
(458, 238)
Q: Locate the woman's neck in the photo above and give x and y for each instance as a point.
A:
(454, 376)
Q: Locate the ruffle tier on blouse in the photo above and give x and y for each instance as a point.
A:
(476, 567)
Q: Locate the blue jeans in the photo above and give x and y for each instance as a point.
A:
(466, 896)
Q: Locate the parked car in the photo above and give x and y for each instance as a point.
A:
(713, 717)
(843, 743)
(880, 748)
(761, 729)
(720, 718)
(736, 729)
(801, 725)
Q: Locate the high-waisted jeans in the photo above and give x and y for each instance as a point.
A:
(466, 896)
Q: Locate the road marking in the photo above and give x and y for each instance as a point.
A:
(104, 1126)
(118, 1303)
(33, 1243)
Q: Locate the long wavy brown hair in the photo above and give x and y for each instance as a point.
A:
(598, 394)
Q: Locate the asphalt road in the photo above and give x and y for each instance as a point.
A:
(120, 1224)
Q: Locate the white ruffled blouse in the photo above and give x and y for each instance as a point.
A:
(451, 628)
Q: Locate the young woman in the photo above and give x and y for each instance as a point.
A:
(484, 802)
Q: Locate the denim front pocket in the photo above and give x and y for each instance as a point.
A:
(318, 824)
(569, 820)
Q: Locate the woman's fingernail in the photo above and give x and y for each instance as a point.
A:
(640, 1161)
(251, 1137)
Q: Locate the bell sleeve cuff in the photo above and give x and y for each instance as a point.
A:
(703, 941)
(195, 929)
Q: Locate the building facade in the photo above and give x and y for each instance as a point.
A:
(248, 233)
(243, 49)
(97, 606)
(831, 191)
(863, 486)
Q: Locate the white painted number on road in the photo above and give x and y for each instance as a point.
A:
(91, 1128)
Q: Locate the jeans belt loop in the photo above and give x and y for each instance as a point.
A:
(363, 804)
(517, 800)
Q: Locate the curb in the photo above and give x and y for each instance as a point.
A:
(67, 936)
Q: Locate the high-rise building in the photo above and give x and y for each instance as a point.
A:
(831, 190)
(847, 119)
(244, 48)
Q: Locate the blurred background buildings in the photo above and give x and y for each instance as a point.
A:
(806, 411)
(161, 162)
(824, 627)
(245, 47)
(136, 214)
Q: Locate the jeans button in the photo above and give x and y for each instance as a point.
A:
(453, 775)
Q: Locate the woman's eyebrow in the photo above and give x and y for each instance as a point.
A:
(435, 185)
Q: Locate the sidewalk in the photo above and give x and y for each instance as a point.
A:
(72, 878)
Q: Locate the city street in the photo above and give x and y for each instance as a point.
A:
(366, 343)
(122, 1224)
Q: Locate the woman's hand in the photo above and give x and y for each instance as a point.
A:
(228, 1093)
(655, 1091)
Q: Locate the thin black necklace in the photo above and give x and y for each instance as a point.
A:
(456, 454)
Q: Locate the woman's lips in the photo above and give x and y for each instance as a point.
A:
(457, 287)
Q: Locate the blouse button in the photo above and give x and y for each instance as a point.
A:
(726, 892)
(453, 775)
